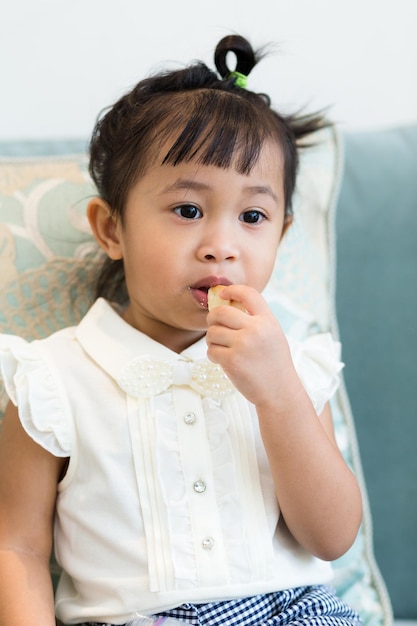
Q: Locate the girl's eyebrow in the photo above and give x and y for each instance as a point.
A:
(263, 189)
(188, 183)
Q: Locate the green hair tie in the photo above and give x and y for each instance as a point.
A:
(240, 79)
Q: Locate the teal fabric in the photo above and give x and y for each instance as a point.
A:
(377, 313)
(42, 147)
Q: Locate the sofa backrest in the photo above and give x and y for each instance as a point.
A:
(377, 314)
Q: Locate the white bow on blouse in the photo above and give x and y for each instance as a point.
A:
(146, 376)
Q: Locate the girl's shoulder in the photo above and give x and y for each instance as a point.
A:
(31, 378)
(317, 360)
(31, 355)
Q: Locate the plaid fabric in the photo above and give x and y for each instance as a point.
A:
(304, 606)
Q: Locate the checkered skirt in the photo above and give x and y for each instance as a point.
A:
(304, 606)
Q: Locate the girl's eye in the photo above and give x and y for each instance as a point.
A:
(188, 211)
(252, 217)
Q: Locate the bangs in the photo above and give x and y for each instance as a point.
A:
(217, 129)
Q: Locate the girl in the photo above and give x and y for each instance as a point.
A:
(173, 452)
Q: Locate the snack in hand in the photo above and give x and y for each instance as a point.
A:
(215, 300)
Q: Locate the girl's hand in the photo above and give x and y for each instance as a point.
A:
(251, 348)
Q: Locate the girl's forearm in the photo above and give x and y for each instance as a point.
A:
(318, 495)
(26, 593)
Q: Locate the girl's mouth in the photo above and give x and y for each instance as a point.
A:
(200, 289)
(200, 294)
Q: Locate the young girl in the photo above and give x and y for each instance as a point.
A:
(172, 451)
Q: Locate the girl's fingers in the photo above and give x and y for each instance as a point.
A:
(226, 316)
(219, 336)
(249, 299)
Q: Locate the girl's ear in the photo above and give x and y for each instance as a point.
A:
(287, 223)
(105, 227)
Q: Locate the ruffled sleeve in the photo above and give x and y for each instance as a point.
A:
(29, 382)
(318, 365)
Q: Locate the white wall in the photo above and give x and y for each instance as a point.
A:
(61, 61)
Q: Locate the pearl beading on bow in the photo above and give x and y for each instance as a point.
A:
(146, 376)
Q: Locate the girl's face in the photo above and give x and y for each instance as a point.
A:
(190, 226)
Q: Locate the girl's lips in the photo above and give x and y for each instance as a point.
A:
(200, 289)
(201, 296)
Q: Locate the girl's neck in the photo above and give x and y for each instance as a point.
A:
(175, 339)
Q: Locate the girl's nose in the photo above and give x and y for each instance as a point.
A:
(218, 247)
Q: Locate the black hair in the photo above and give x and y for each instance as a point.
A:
(210, 119)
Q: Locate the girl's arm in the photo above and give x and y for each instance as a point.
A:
(318, 495)
(28, 488)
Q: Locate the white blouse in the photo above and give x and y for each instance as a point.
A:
(168, 496)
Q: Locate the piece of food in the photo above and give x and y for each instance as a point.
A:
(215, 300)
